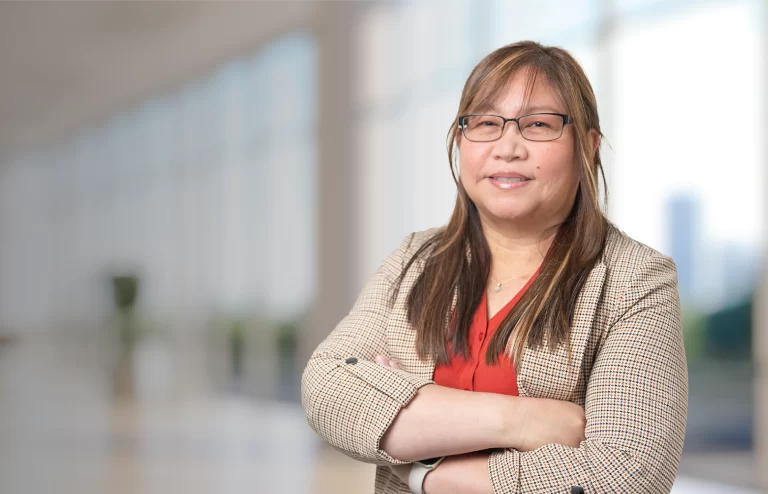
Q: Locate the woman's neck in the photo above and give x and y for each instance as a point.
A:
(517, 253)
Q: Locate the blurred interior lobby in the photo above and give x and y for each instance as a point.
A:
(192, 194)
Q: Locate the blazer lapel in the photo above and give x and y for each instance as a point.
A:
(545, 374)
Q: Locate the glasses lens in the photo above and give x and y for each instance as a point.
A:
(483, 127)
(541, 127)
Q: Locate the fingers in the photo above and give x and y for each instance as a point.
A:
(382, 360)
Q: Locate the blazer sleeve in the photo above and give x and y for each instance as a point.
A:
(349, 400)
(636, 403)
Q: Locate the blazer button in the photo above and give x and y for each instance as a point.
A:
(351, 360)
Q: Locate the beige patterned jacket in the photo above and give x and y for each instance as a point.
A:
(629, 372)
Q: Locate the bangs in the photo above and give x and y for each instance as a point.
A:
(495, 83)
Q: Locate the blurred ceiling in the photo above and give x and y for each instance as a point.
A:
(67, 64)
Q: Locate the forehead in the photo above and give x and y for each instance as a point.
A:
(522, 94)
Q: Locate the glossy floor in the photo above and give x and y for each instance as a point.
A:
(71, 422)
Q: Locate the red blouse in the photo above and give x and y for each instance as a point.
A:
(475, 374)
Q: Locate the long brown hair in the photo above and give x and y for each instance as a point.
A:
(457, 259)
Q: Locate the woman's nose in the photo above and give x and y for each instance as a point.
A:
(511, 145)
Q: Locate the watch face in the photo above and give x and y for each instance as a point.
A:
(430, 461)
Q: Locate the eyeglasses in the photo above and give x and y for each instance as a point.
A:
(533, 127)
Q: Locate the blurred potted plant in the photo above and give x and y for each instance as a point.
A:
(236, 338)
(286, 339)
(125, 290)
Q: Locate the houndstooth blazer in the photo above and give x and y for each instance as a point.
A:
(628, 371)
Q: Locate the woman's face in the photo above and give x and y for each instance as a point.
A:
(550, 169)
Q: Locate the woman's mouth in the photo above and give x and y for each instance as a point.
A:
(509, 182)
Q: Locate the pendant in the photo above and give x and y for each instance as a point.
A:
(498, 287)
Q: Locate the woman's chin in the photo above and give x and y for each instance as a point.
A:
(507, 215)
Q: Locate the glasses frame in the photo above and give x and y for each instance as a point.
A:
(566, 120)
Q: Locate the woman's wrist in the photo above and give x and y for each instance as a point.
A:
(467, 473)
(433, 483)
(511, 421)
(426, 485)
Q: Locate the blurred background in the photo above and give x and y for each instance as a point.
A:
(193, 193)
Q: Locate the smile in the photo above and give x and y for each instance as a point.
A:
(508, 182)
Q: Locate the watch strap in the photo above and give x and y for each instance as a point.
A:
(418, 473)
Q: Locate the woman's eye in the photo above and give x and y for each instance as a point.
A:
(487, 122)
(539, 125)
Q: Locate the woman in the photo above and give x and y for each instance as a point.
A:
(529, 344)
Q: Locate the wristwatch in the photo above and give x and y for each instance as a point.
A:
(419, 471)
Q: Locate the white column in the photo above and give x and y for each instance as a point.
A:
(605, 38)
(760, 355)
(337, 173)
(760, 324)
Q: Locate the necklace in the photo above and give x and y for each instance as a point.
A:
(497, 288)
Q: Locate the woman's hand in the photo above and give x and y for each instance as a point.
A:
(383, 360)
(543, 421)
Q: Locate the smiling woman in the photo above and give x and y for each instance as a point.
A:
(527, 345)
